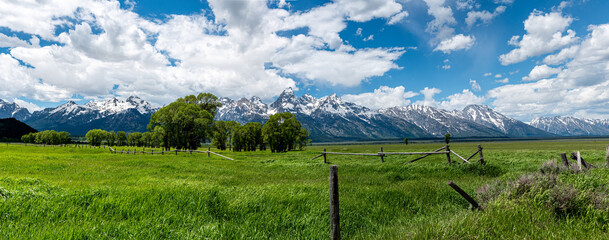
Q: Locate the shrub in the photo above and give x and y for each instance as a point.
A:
(564, 200)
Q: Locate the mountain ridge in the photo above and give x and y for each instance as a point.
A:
(131, 114)
(327, 118)
(324, 116)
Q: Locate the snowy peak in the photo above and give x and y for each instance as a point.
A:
(68, 108)
(13, 110)
(439, 122)
(487, 116)
(572, 126)
(286, 102)
(114, 105)
(308, 104)
(334, 104)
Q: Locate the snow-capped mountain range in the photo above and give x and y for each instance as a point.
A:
(571, 126)
(131, 114)
(327, 119)
(330, 118)
(12, 110)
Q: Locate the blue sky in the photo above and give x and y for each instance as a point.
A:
(523, 58)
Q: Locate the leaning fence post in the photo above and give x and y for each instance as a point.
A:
(579, 160)
(324, 153)
(448, 153)
(334, 209)
(480, 153)
(565, 161)
(464, 195)
(382, 155)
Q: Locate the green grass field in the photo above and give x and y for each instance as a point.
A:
(75, 193)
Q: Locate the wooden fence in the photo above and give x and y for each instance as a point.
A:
(152, 152)
(443, 150)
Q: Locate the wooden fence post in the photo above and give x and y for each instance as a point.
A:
(324, 153)
(579, 161)
(448, 153)
(480, 153)
(565, 161)
(382, 155)
(334, 209)
(209, 152)
(607, 156)
(464, 195)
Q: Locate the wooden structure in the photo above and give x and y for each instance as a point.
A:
(471, 201)
(443, 150)
(334, 209)
(209, 152)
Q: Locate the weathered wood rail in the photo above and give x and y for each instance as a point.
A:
(152, 152)
(443, 150)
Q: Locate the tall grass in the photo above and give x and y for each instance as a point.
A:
(69, 193)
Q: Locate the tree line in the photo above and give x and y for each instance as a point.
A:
(50, 137)
(187, 122)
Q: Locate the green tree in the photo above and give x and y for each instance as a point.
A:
(29, 138)
(111, 138)
(147, 139)
(65, 137)
(303, 139)
(222, 131)
(253, 135)
(282, 132)
(121, 138)
(159, 136)
(205, 101)
(96, 136)
(135, 139)
(185, 122)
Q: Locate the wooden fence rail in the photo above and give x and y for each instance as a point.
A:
(170, 151)
(443, 150)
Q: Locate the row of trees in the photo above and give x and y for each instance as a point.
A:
(242, 138)
(97, 137)
(187, 122)
(50, 137)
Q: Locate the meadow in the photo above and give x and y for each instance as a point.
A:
(86, 193)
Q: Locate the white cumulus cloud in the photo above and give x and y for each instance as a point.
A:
(582, 86)
(428, 97)
(483, 16)
(98, 49)
(457, 42)
(540, 72)
(544, 35)
(474, 84)
(461, 100)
